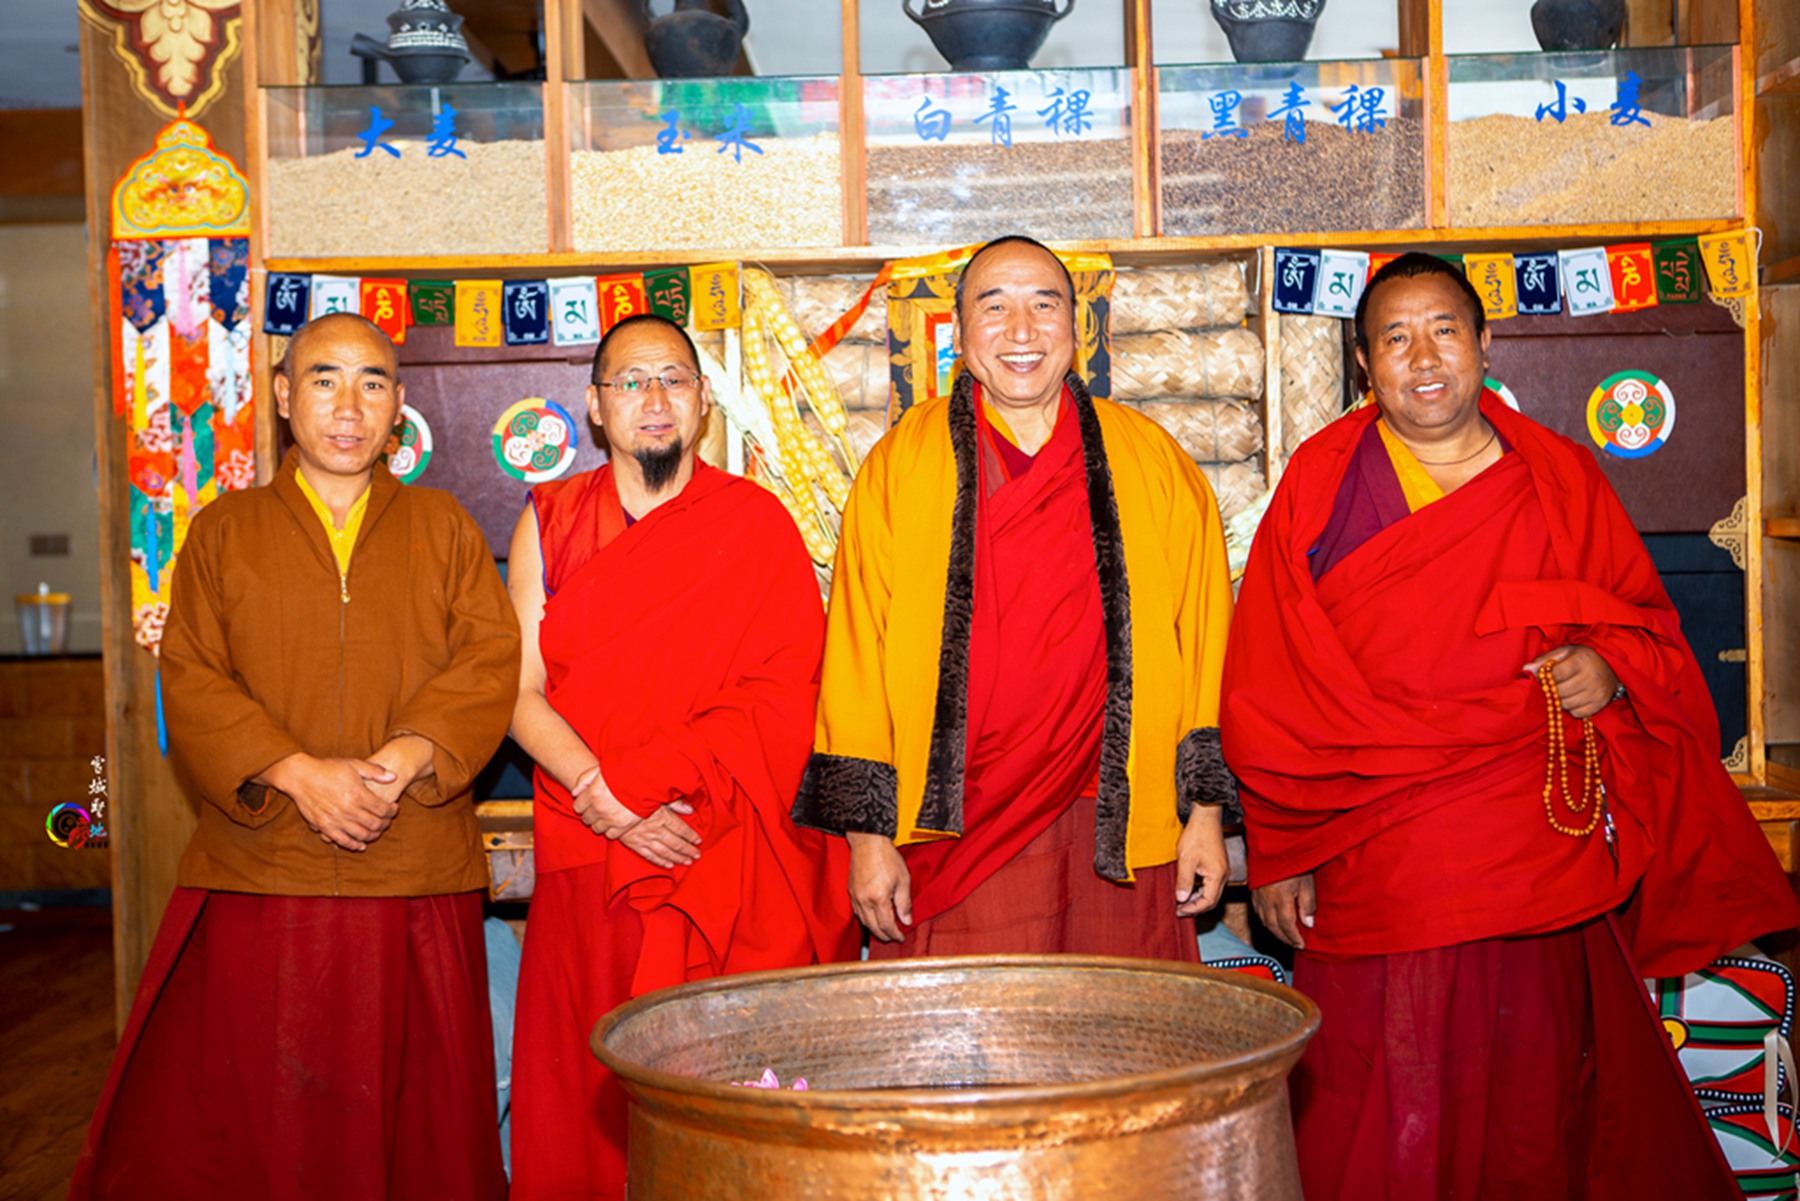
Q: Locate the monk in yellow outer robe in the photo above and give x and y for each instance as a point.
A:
(1018, 714)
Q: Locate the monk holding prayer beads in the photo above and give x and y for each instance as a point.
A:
(339, 662)
(1017, 721)
(1482, 791)
(672, 635)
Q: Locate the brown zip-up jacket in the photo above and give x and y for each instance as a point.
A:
(268, 651)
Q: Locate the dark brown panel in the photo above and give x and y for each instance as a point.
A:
(462, 392)
(1552, 364)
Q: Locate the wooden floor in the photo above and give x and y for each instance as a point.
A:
(56, 1043)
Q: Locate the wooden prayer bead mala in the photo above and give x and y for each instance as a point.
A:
(1556, 770)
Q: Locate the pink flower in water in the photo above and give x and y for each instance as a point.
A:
(770, 1080)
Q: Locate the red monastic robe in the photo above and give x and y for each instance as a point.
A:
(1021, 876)
(1386, 740)
(685, 651)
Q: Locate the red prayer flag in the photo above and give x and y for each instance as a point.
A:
(384, 303)
(1633, 267)
(1378, 261)
(620, 296)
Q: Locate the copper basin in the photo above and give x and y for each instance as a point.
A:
(1006, 1076)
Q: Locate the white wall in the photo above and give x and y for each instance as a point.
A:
(47, 447)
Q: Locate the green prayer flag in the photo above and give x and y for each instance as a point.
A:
(1679, 271)
(433, 302)
(668, 294)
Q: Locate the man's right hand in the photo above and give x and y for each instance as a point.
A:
(334, 798)
(1287, 905)
(880, 886)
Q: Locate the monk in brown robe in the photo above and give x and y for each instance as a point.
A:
(340, 660)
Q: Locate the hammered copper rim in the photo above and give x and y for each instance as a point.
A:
(1272, 1056)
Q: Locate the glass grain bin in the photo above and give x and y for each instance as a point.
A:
(1592, 137)
(1304, 147)
(968, 157)
(744, 163)
(406, 169)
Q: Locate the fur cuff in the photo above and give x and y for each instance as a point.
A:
(1201, 777)
(843, 795)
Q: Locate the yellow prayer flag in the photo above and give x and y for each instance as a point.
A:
(1730, 267)
(478, 313)
(715, 296)
(1497, 282)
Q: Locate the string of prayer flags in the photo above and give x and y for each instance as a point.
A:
(1633, 270)
(574, 311)
(1587, 281)
(384, 303)
(1678, 271)
(1539, 284)
(334, 294)
(433, 302)
(621, 296)
(714, 295)
(1496, 281)
(526, 312)
(286, 302)
(1342, 276)
(1296, 279)
(669, 294)
(1380, 259)
(1730, 265)
(478, 312)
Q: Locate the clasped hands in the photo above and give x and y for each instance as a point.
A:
(662, 838)
(351, 802)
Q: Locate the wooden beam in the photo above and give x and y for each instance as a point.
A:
(1146, 140)
(43, 152)
(1649, 23)
(621, 30)
(853, 142)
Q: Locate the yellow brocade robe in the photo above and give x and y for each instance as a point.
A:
(889, 748)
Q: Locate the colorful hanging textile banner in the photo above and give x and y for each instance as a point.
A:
(1632, 267)
(1496, 281)
(620, 296)
(178, 267)
(433, 302)
(525, 307)
(1678, 271)
(478, 312)
(574, 311)
(713, 289)
(384, 303)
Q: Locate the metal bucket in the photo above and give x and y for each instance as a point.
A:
(999, 1076)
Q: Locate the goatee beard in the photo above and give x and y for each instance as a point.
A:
(659, 465)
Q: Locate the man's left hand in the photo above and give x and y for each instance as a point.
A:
(409, 757)
(1200, 852)
(1583, 680)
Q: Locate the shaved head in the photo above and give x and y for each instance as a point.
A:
(331, 323)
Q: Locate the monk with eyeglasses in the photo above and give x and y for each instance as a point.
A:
(672, 635)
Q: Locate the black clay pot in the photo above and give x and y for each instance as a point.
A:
(693, 42)
(988, 35)
(1268, 31)
(425, 44)
(1578, 24)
